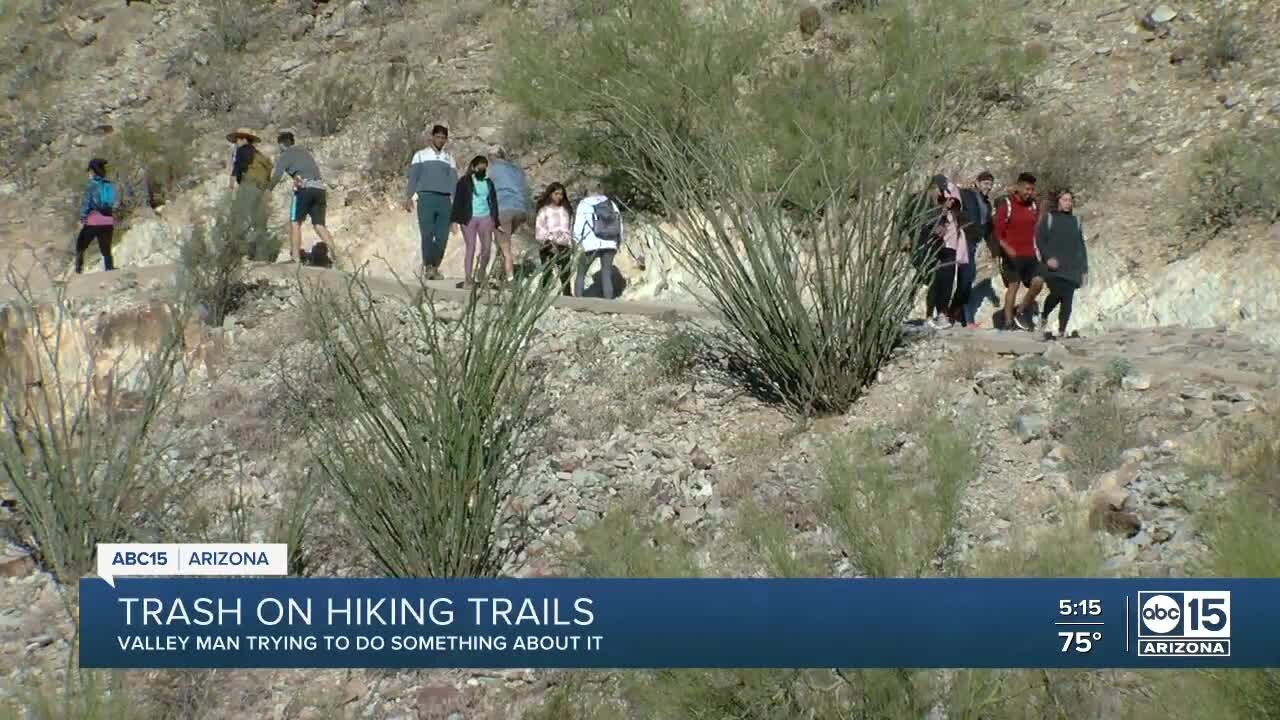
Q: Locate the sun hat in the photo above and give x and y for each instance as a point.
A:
(245, 133)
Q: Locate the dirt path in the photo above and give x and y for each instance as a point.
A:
(1158, 355)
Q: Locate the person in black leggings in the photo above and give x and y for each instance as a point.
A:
(97, 216)
(1061, 245)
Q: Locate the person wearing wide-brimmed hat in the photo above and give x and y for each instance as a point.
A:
(250, 174)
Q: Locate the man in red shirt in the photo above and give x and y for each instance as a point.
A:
(1015, 230)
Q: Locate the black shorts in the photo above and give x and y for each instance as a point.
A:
(308, 202)
(1022, 270)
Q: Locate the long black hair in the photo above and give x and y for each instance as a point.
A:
(545, 199)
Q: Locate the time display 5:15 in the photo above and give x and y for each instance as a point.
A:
(1080, 607)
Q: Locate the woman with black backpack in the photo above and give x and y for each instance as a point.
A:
(97, 215)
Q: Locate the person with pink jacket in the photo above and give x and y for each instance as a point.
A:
(553, 229)
(949, 237)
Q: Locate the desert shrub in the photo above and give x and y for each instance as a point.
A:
(233, 24)
(32, 129)
(677, 352)
(1225, 37)
(661, 54)
(85, 457)
(1062, 152)
(767, 536)
(432, 432)
(1233, 179)
(465, 13)
(626, 543)
(85, 695)
(1077, 381)
(216, 88)
(1118, 368)
(213, 277)
(809, 306)
(1097, 429)
(401, 132)
(327, 101)
(1067, 549)
(897, 519)
(1242, 534)
(795, 240)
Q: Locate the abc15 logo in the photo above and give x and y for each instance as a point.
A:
(1203, 614)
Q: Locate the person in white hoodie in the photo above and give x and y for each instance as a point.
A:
(597, 229)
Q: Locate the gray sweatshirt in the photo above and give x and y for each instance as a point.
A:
(432, 171)
(294, 160)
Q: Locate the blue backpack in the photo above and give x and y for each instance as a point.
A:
(104, 197)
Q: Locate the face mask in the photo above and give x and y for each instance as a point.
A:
(480, 174)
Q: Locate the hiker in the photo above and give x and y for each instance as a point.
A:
(309, 193)
(433, 176)
(976, 203)
(953, 252)
(513, 196)
(1060, 240)
(918, 216)
(597, 228)
(1015, 231)
(553, 229)
(475, 209)
(97, 215)
(251, 171)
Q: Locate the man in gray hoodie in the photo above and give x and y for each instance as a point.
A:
(433, 175)
(309, 193)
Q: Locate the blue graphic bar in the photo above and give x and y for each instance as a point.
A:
(697, 623)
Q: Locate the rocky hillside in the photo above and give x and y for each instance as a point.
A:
(1127, 99)
(1110, 448)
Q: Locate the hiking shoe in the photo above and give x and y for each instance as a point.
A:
(1049, 336)
(940, 323)
(1022, 322)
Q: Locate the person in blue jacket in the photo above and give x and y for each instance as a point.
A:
(513, 199)
(97, 215)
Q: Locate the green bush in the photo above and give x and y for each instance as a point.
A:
(1225, 38)
(1118, 368)
(1096, 429)
(327, 101)
(677, 353)
(1063, 154)
(1233, 179)
(213, 277)
(897, 519)
(86, 695)
(216, 88)
(434, 425)
(628, 544)
(680, 67)
(86, 461)
(234, 24)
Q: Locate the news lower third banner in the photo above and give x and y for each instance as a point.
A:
(698, 623)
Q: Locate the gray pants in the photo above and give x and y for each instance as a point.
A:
(606, 271)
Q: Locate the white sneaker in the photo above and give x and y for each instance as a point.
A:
(941, 322)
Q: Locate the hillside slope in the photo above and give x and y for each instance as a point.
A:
(1125, 109)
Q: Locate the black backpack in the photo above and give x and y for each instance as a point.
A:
(606, 222)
